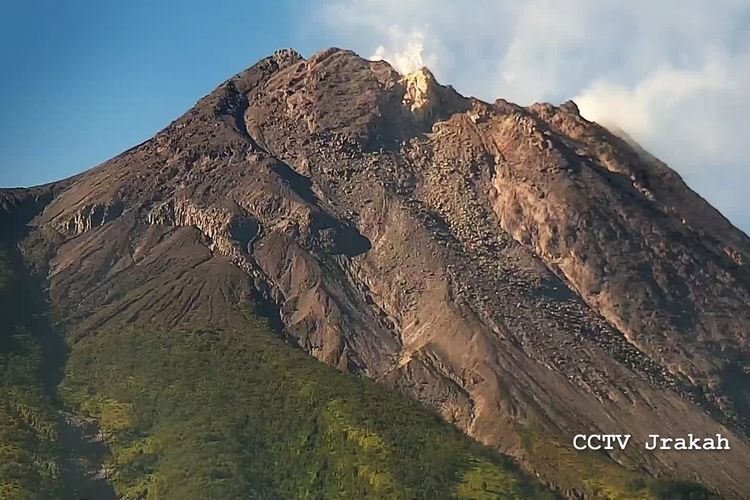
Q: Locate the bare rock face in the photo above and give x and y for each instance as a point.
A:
(523, 271)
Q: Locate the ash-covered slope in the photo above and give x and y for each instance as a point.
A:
(522, 270)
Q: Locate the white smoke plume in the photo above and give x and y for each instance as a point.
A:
(407, 60)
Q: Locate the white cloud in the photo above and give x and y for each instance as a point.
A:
(641, 109)
(674, 74)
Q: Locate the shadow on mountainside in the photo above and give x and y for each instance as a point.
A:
(70, 441)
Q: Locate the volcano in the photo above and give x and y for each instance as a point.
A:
(523, 273)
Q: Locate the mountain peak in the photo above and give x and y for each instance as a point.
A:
(286, 56)
(570, 106)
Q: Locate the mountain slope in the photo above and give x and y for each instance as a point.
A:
(521, 270)
(213, 414)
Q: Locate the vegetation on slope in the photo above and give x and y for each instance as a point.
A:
(203, 414)
(29, 432)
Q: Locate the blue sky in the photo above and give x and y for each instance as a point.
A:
(84, 80)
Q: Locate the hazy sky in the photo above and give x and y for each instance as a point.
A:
(85, 80)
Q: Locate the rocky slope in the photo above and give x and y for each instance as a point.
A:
(522, 270)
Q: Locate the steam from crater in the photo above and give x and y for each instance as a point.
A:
(407, 59)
